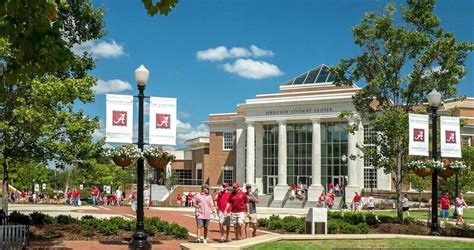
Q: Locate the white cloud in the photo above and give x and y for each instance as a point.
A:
(185, 131)
(111, 86)
(99, 49)
(184, 115)
(252, 69)
(220, 53)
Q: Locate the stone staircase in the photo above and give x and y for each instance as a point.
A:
(295, 203)
(159, 193)
(264, 200)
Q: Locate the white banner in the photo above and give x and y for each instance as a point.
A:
(162, 121)
(119, 118)
(418, 131)
(450, 137)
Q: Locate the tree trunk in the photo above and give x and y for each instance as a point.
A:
(5, 186)
(398, 188)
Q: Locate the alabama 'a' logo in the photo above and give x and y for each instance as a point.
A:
(119, 118)
(419, 135)
(163, 121)
(450, 136)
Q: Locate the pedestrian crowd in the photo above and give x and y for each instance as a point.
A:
(231, 206)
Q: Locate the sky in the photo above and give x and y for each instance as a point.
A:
(212, 54)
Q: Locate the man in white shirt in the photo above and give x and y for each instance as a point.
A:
(118, 194)
(146, 197)
(371, 203)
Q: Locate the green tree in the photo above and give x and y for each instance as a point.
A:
(400, 63)
(163, 7)
(420, 184)
(465, 176)
(42, 80)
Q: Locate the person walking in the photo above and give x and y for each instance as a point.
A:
(179, 199)
(251, 219)
(239, 204)
(329, 200)
(68, 197)
(146, 197)
(222, 198)
(77, 197)
(337, 189)
(95, 195)
(445, 203)
(406, 205)
(460, 204)
(118, 195)
(370, 203)
(356, 202)
(322, 200)
(203, 205)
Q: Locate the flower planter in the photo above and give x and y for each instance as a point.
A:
(158, 163)
(423, 172)
(446, 173)
(122, 161)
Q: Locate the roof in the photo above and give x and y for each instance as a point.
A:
(318, 75)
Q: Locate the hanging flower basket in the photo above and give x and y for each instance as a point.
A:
(446, 173)
(423, 172)
(438, 165)
(123, 156)
(457, 165)
(122, 161)
(157, 158)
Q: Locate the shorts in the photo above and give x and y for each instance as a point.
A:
(202, 222)
(444, 213)
(405, 209)
(251, 218)
(356, 204)
(370, 208)
(222, 219)
(460, 210)
(146, 201)
(238, 218)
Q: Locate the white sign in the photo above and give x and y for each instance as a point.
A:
(107, 189)
(81, 187)
(37, 187)
(450, 137)
(119, 118)
(162, 121)
(44, 186)
(418, 131)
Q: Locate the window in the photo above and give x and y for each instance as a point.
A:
(299, 143)
(334, 151)
(184, 176)
(228, 140)
(370, 173)
(199, 174)
(228, 175)
(270, 156)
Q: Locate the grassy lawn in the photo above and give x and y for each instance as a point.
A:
(366, 244)
(468, 214)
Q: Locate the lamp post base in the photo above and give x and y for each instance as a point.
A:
(139, 241)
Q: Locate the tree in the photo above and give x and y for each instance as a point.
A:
(465, 176)
(163, 7)
(400, 63)
(42, 80)
(420, 184)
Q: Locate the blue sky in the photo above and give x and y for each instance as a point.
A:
(290, 37)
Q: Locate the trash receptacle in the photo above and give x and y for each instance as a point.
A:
(317, 221)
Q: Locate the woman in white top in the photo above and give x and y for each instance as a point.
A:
(406, 204)
(371, 203)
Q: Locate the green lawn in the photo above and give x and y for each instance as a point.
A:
(468, 214)
(366, 244)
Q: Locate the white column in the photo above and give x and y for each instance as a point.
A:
(250, 153)
(259, 157)
(314, 191)
(282, 171)
(316, 153)
(240, 161)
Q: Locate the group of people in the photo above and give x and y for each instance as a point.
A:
(298, 191)
(231, 206)
(185, 199)
(445, 204)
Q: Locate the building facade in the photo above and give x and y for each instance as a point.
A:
(298, 136)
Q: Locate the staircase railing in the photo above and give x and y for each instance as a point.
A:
(305, 199)
(270, 200)
(286, 198)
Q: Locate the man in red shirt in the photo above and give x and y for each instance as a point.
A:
(222, 198)
(68, 197)
(95, 195)
(356, 202)
(445, 204)
(239, 205)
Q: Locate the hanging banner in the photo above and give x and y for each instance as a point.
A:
(162, 121)
(119, 118)
(450, 137)
(418, 131)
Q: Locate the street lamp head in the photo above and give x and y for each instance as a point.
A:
(141, 76)
(434, 98)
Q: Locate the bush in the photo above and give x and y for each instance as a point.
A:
(386, 219)
(38, 218)
(89, 222)
(469, 201)
(122, 224)
(17, 217)
(423, 199)
(291, 226)
(274, 217)
(105, 227)
(371, 219)
(66, 219)
(353, 218)
(180, 233)
(275, 224)
(288, 219)
(150, 228)
(335, 215)
(263, 222)
(342, 227)
(409, 220)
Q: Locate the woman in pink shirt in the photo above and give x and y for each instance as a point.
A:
(203, 205)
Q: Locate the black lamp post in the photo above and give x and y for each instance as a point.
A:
(344, 183)
(434, 99)
(139, 240)
(456, 187)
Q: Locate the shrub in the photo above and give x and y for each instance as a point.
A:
(275, 224)
(291, 226)
(38, 218)
(386, 219)
(89, 222)
(371, 219)
(274, 217)
(107, 228)
(150, 228)
(409, 220)
(122, 223)
(288, 219)
(302, 227)
(335, 215)
(342, 227)
(353, 218)
(263, 222)
(423, 199)
(17, 217)
(180, 233)
(66, 219)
